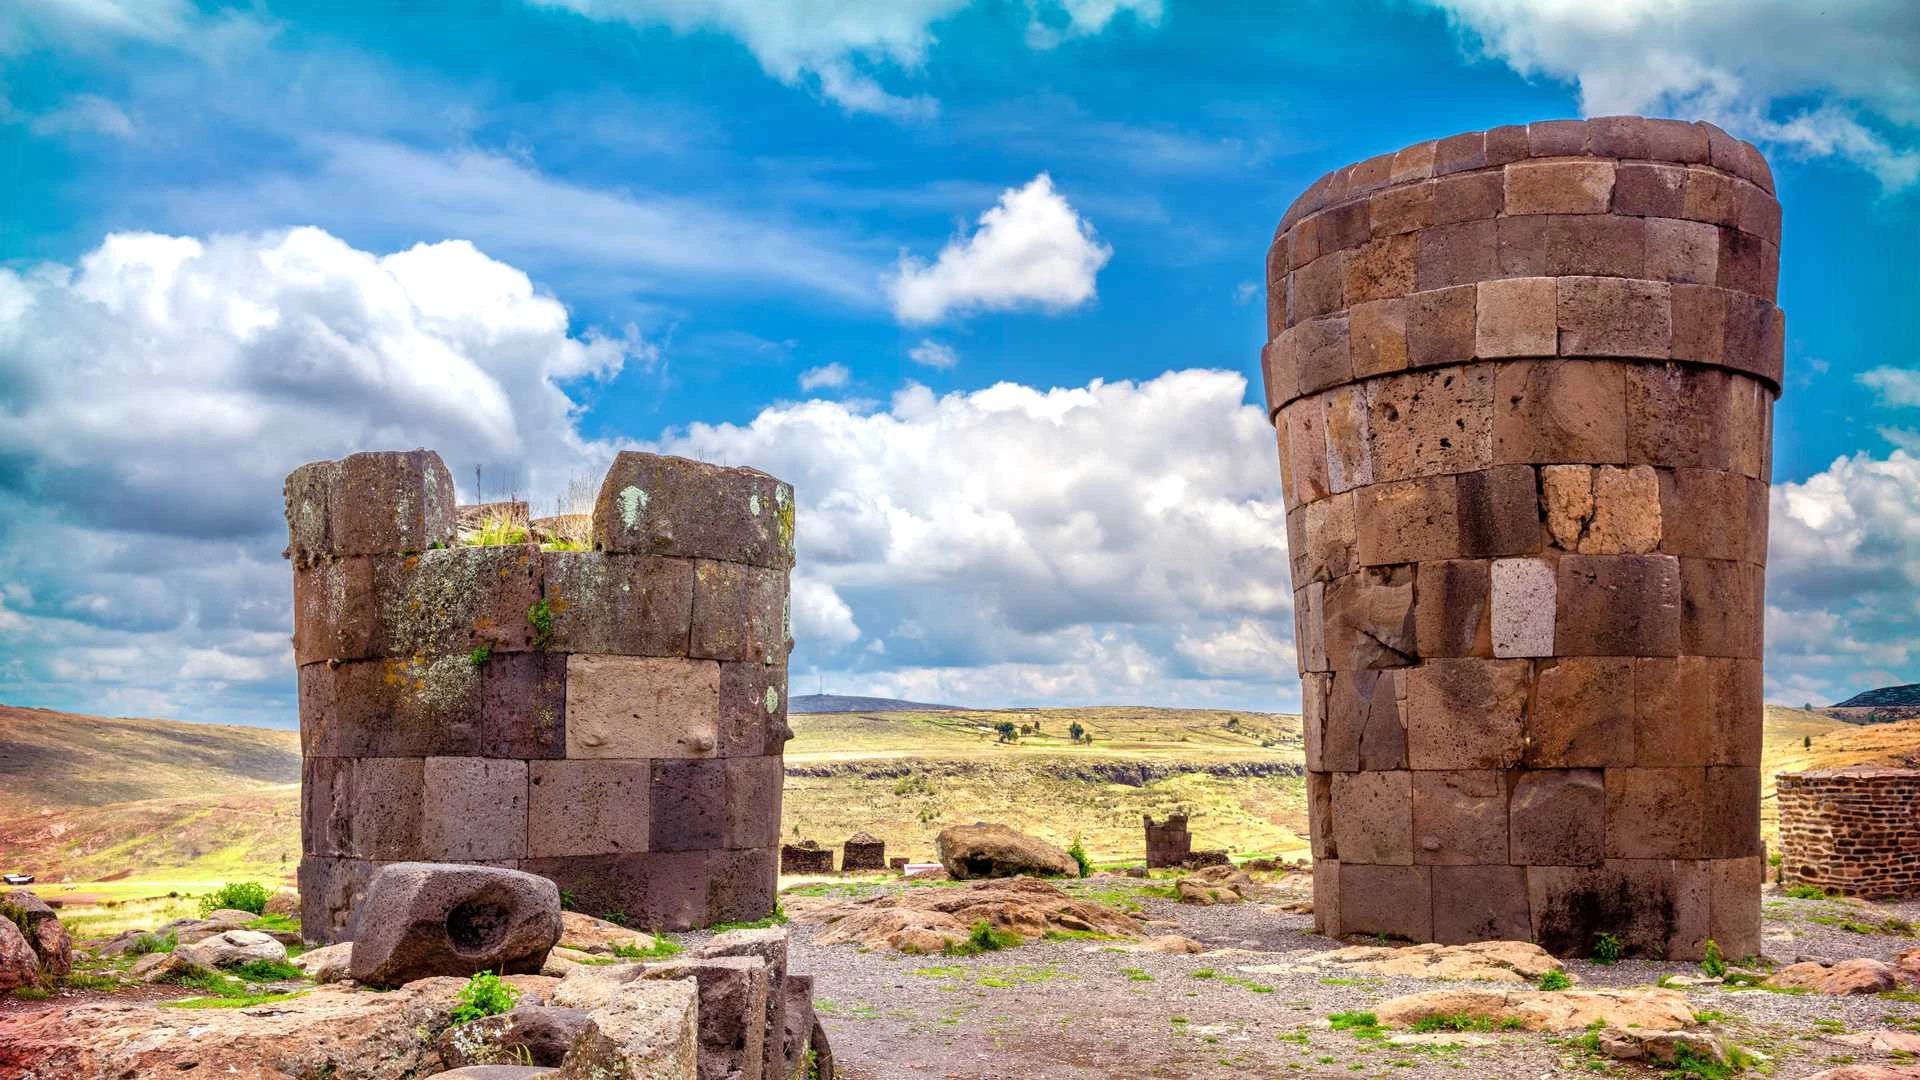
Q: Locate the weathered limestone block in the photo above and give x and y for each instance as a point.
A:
(585, 806)
(1373, 816)
(633, 707)
(655, 505)
(1460, 817)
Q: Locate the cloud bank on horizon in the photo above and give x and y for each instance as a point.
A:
(999, 340)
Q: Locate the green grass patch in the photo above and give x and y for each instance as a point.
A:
(1079, 935)
(778, 918)
(276, 924)
(1136, 975)
(663, 947)
(1465, 1022)
(1555, 980)
(1202, 973)
(1359, 1024)
(984, 938)
(234, 1001)
(1806, 892)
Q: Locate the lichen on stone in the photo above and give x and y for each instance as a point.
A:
(632, 502)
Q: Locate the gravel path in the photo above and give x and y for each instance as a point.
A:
(1087, 1009)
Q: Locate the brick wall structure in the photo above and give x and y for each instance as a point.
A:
(1854, 831)
(1168, 842)
(613, 718)
(1523, 383)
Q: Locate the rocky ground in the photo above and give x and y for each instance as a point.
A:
(1257, 1002)
(1185, 990)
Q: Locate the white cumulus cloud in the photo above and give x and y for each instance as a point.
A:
(1031, 250)
(162, 387)
(933, 354)
(838, 47)
(825, 377)
(1843, 575)
(1818, 80)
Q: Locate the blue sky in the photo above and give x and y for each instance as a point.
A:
(983, 279)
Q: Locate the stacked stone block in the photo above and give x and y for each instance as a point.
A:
(1523, 382)
(863, 851)
(1854, 831)
(612, 718)
(1168, 842)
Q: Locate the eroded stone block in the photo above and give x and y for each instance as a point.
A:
(1373, 817)
(1655, 813)
(634, 707)
(1425, 423)
(1560, 411)
(1617, 605)
(1583, 713)
(473, 809)
(1480, 903)
(1409, 521)
(1515, 317)
(739, 612)
(587, 807)
(1557, 817)
(1396, 901)
(1452, 608)
(1369, 619)
(651, 504)
(1466, 714)
(1460, 817)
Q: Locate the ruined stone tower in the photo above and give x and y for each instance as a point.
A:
(610, 718)
(1523, 382)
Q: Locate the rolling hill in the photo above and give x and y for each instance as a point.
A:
(90, 799)
(830, 703)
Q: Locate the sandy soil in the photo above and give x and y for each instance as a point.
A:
(1086, 1009)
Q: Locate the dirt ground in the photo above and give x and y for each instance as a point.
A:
(1083, 1009)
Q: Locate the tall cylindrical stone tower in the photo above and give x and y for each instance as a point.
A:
(1523, 382)
(613, 719)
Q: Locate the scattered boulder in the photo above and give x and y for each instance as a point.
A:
(925, 920)
(424, 919)
(1885, 1042)
(1481, 961)
(732, 1012)
(337, 1031)
(983, 850)
(42, 928)
(1215, 885)
(642, 1030)
(231, 948)
(540, 1034)
(1659, 1047)
(327, 964)
(598, 936)
(283, 903)
(494, 1072)
(19, 965)
(1641, 1008)
(157, 967)
(229, 918)
(1171, 943)
(1861, 975)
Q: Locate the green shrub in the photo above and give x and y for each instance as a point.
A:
(540, 617)
(484, 995)
(480, 654)
(1713, 963)
(1806, 892)
(153, 943)
(984, 938)
(1080, 856)
(268, 971)
(238, 895)
(1607, 949)
(1555, 980)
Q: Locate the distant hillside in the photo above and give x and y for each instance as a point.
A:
(832, 703)
(58, 761)
(1886, 696)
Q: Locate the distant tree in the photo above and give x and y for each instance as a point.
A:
(1233, 723)
(1808, 706)
(1008, 733)
(1807, 743)
(1075, 731)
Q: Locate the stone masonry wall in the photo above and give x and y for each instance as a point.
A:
(1168, 842)
(612, 719)
(1854, 831)
(1523, 383)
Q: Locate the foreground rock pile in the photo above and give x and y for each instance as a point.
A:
(34, 945)
(930, 919)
